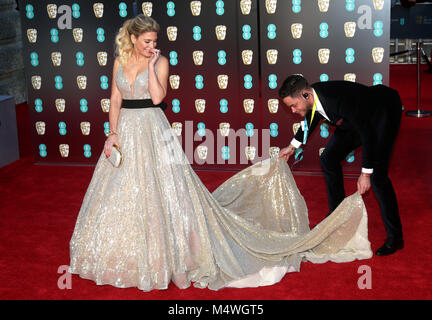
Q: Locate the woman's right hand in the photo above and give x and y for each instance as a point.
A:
(109, 142)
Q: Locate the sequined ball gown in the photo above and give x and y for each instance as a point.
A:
(152, 221)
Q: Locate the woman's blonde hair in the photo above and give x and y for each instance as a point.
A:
(135, 26)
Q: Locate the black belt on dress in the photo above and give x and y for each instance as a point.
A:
(142, 103)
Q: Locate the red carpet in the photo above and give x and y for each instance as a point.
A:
(39, 205)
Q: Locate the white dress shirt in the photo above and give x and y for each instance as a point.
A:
(320, 109)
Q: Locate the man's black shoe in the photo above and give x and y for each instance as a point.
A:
(390, 246)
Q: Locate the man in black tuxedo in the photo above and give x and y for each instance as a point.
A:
(365, 116)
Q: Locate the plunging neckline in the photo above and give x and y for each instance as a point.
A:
(132, 86)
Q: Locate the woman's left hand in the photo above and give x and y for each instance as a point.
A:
(155, 56)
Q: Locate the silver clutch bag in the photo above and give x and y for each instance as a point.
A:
(116, 157)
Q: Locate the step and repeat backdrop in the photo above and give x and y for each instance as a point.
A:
(227, 61)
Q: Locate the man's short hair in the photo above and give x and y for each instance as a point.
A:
(293, 85)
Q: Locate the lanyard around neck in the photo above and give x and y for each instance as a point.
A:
(305, 134)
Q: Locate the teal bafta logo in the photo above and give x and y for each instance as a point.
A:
(274, 129)
(29, 11)
(122, 9)
(176, 105)
(173, 58)
(170, 9)
(324, 77)
(38, 105)
(247, 81)
(220, 7)
(201, 129)
(100, 32)
(43, 150)
(225, 153)
(83, 105)
(54, 35)
(350, 5)
(197, 33)
(58, 82)
(223, 105)
(62, 128)
(323, 30)
(272, 81)
(106, 127)
(104, 82)
(79, 58)
(271, 31)
(221, 57)
(247, 32)
(296, 6)
(34, 59)
(76, 11)
(87, 151)
(199, 82)
(350, 157)
(249, 129)
(378, 28)
(377, 77)
(297, 53)
(349, 58)
(324, 130)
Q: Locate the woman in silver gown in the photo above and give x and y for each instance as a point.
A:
(152, 221)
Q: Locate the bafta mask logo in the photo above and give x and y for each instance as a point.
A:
(52, 10)
(40, 128)
(198, 57)
(64, 150)
(296, 30)
(98, 9)
(78, 34)
(350, 77)
(323, 5)
(82, 82)
(105, 105)
(102, 58)
(202, 152)
(172, 33)
(378, 4)
(36, 82)
(222, 80)
(32, 35)
(224, 128)
(60, 105)
(320, 151)
(350, 29)
(272, 56)
(85, 128)
(271, 6)
(250, 152)
(247, 56)
(177, 128)
(248, 105)
(147, 8)
(378, 54)
(274, 152)
(221, 32)
(56, 58)
(296, 126)
(245, 6)
(200, 105)
(273, 105)
(174, 81)
(324, 55)
(195, 8)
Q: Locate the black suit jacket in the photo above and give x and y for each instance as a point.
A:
(360, 108)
